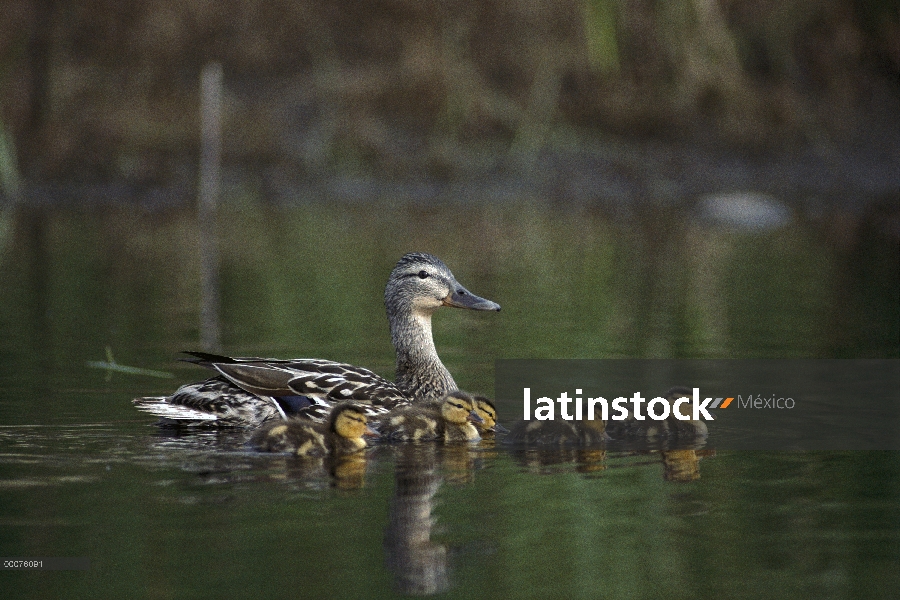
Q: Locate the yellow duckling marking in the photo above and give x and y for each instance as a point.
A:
(456, 408)
(305, 448)
(469, 431)
(486, 410)
(359, 443)
(279, 430)
(398, 420)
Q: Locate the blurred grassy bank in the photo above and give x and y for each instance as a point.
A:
(107, 91)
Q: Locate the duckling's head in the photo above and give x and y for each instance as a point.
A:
(485, 409)
(459, 407)
(421, 283)
(350, 422)
(686, 426)
(679, 392)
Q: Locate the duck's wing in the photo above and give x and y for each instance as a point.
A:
(323, 382)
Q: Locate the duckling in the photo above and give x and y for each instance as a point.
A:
(558, 432)
(342, 435)
(488, 413)
(452, 421)
(485, 409)
(247, 392)
(688, 429)
(671, 427)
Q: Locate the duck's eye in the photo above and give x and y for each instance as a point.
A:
(423, 274)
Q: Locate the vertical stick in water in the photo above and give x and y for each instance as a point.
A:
(10, 183)
(210, 158)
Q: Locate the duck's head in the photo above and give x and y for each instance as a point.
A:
(485, 409)
(350, 422)
(459, 407)
(421, 283)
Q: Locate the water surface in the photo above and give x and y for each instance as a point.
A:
(197, 515)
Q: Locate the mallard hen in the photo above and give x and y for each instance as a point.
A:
(250, 391)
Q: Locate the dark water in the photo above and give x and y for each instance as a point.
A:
(159, 516)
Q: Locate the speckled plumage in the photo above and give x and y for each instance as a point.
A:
(251, 391)
(214, 401)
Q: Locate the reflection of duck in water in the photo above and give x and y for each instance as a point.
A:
(671, 427)
(451, 421)
(419, 564)
(343, 434)
(680, 465)
(250, 391)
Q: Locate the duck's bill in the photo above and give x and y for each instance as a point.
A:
(498, 428)
(371, 432)
(463, 298)
(474, 417)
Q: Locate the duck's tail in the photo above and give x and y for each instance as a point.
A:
(206, 359)
(161, 407)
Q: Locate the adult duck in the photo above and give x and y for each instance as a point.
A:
(249, 391)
